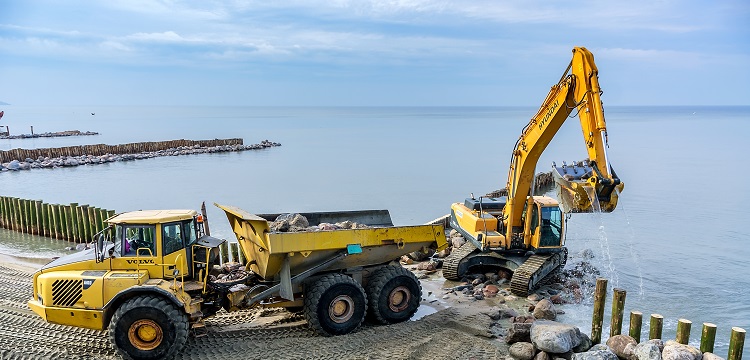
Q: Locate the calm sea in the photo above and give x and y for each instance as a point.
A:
(677, 241)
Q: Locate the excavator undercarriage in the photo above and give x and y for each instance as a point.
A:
(529, 272)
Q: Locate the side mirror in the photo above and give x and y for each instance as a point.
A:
(100, 248)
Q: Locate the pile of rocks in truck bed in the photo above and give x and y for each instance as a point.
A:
(293, 222)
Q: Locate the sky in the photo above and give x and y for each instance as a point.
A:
(368, 53)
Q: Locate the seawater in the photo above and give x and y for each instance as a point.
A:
(677, 241)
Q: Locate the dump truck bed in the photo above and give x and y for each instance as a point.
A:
(381, 243)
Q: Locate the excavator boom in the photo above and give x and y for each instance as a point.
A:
(578, 90)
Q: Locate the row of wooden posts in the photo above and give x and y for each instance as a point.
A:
(102, 149)
(708, 336)
(74, 222)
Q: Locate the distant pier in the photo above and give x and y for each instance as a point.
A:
(26, 159)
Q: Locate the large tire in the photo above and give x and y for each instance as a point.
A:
(394, 294)
(335, 304)
(148, 327)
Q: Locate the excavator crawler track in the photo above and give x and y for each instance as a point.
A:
(452, 261)
(534, 270)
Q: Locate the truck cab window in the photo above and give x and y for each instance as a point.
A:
(137, 238)
(171, 236)
(189, 229)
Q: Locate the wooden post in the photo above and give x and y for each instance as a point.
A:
(56, 220)
(683, 331)
(84, 222)
(45, 219)
(618, 306)
(2, 211)
(600, 295)
(92, 224)
(708, 337)
(74, 218)
(235, 251)
(654, 331)
(636, 322)
(39, 217)
(224, 251)
(736, 343)
(17, 214)
(69, 222)
(63, 222)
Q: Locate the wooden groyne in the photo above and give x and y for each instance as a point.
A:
(708, 334)
(103, 149)
(73, 222)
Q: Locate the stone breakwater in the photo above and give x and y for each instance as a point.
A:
(50, 134)
(69, 161)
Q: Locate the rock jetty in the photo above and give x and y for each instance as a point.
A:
(70, 161)
(50, 134)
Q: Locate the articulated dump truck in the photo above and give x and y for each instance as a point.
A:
(152, 277)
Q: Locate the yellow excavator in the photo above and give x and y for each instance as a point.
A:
(525, 234)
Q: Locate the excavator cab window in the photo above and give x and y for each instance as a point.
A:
(130, 238)
(551, 226)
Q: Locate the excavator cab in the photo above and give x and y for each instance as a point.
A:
(581, 188)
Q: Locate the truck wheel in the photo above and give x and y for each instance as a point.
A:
(148, 327)
(394, 294)
(335, 305)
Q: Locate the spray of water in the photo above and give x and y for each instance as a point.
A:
(631, 248)
(604, 241)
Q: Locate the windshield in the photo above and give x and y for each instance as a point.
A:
(551, 226)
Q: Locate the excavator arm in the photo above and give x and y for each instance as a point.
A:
(578, 90)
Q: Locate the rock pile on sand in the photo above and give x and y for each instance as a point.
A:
(69, 161)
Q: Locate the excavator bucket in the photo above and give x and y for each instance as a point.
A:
(581, 188)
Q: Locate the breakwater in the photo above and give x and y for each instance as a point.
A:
(73, 222)
(6, 134)
(26, 159)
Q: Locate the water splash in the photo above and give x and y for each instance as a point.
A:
(631, 248)
(604, 240)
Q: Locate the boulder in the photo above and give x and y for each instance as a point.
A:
(554, 337)
(545, 310)
(618, 343)
(585, 344)
(458, 241)
(676, 351)
(647, 350)
(518, 332)
(711, 356)
(522, 351)
(604, 354)
(541, 356)
(14, 165)
(534, 297)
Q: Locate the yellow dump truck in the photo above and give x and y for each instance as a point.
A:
(153, 276)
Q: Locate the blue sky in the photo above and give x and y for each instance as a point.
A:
(361, 53)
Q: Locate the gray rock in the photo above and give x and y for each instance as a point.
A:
(545, 310)
(541, 356)
(519, 332)
(14, 165)
(585, 344)
(554, 337)
(534, 297)
(522, 351)
(711, 356)
(605, 354)
(618, 343)
(458, 241)
(647, 350)
(676, 351)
